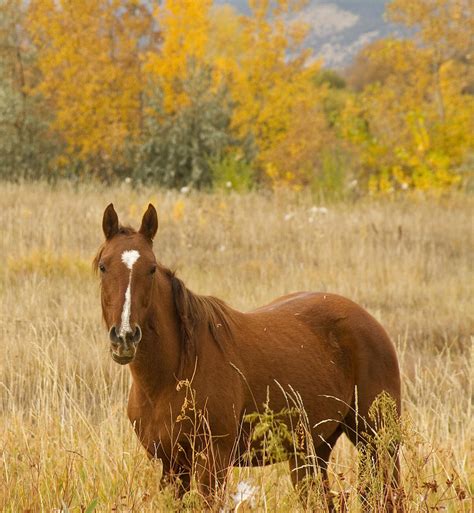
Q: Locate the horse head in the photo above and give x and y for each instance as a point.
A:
(127, 266)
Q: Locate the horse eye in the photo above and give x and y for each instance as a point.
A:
(153, 269)
(102, 268)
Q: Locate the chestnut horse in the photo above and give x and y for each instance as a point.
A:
(321, 348)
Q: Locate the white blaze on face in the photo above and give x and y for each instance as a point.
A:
(128, 258)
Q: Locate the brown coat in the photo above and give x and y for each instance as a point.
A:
(318, 351)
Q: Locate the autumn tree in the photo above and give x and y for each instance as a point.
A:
(445, 28)
(185, 27)
(88, 56)
(445, 25)
(187, 92)
(411, 120)
(270, 77)
(187, 115)
(214, 85)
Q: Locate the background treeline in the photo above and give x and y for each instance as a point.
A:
(185, 93)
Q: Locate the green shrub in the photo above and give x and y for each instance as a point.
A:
(178, 147)
(233, 172)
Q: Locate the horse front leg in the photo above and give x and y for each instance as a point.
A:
(211, 472)
(178, 477)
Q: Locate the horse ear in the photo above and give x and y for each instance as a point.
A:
(149, 225)
(110, 222)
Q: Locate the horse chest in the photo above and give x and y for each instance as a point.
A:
(160, 423)
(149, 419)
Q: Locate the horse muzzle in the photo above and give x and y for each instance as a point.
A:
(123, 346)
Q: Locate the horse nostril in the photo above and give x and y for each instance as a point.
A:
(137, 335)
(126, 341)
(113, 336)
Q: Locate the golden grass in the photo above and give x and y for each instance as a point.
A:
(64, 436)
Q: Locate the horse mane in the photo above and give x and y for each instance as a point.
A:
(195, 311)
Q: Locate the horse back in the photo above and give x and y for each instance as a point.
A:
(327, 342)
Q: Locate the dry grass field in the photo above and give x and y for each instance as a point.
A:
(65, 441)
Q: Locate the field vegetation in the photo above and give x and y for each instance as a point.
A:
(195, 93)
(271, 173)
(65, 441)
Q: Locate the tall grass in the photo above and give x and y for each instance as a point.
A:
(65, 440)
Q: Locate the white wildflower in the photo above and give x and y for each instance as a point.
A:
(228, 185)
(128, 180)
(184, 190)
(245, 492)
(319, 210)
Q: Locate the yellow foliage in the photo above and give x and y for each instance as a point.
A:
(412, 127)
(297, 157)
(269, 89)
(178, 210)
(87, 56)
(95, 61)
(133, 210)
(185, 26)
(44, 262)
(444, 25)
(249, 55)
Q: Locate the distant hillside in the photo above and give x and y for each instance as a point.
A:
(339, 28)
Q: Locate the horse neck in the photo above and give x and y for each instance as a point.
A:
(156, 364)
